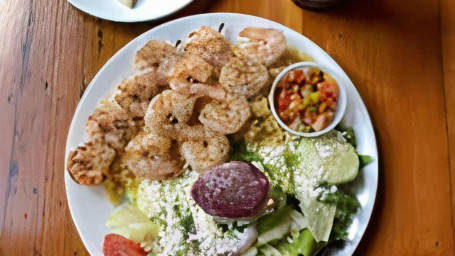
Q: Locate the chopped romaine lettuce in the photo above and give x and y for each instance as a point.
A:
(296, 243)
(274, 219)
(364, 160)
(273, 166)
(346, 207)
(278, 225)
(348, 134)
(275, 225)
(302, 243)
(320, 217)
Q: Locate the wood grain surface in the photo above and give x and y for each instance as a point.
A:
(448, 56)
(399, 54)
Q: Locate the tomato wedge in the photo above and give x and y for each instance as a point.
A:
(117, 245)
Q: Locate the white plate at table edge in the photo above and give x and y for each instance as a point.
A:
(90, 207)
(144, 10)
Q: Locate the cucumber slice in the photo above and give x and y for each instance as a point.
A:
(126, 215)
(129, 222)
(334, 154)
(343, 166)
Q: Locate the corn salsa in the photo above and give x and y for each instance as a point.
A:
(306, 99)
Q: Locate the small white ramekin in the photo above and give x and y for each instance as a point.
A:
(342, 100)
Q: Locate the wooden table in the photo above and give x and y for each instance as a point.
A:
(399, 54)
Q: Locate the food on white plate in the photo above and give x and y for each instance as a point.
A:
(306, 99)
(190, 142)
(128, 3)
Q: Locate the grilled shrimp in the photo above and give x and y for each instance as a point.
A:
(226, 117)
(87, 163)
(152, 157)
(111, 124)
(263, 44)
(136, 93)
(212, 46)
(190, 76)
(167, 113)
(243, 75)
(203, 153)
(158, 56)
(108, 129)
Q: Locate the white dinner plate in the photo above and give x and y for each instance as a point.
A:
(144, 10)
(90, 206)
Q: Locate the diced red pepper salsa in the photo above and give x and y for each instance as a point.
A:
(306, 99)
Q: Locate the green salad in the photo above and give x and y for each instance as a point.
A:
(309, 209)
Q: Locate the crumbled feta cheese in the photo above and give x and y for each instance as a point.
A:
(185, 228)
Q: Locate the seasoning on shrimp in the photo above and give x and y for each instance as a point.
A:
(243, 75)
(135, 93)
(204, 153)
(265, 45)
(211, 45)
(157, 56)
(307, 99)
(190, 76)
(226, 117)
(167, 113)
(152, 157)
